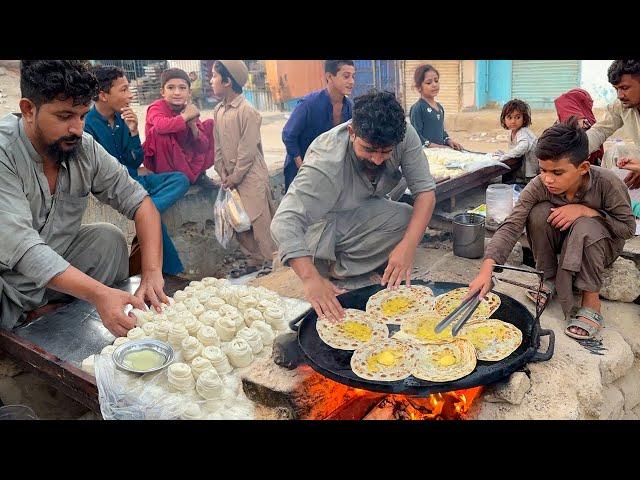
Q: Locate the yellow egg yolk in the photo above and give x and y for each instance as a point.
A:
(482, 337)
(356, 330)
(386, 357)
(445, 358)
(396, 305)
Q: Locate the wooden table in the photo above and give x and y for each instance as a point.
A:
(54, 345)
(448, 189)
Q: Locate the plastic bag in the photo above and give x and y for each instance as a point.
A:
(236, 213)
(222, 226)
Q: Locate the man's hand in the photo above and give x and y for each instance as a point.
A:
(632, 164)
(131, 119)
(483, 282)
(453, 144)
(321, 293)
(632, 180)
(228, 184)
(190, 112)
(563, 217)
(151, 290)
(399, 266)
(298, 161)
(110, 304)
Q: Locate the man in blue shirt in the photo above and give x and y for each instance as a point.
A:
(114, 124)
(317, 113)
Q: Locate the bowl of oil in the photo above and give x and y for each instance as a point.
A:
(143, 356)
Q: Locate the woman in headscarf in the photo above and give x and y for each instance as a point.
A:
(578, 103)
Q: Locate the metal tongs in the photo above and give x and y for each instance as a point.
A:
(464, 311)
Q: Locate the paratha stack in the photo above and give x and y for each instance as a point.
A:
(355, 330)
(386, 360)
(493, 339)
(394, 306)
(446, 361)
(449, 301)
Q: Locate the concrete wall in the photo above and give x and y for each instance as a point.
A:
(469, 81)
(190, 224)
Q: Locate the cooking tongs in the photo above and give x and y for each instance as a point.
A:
(464, 312)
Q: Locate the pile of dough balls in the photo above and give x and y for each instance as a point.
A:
(214, 327)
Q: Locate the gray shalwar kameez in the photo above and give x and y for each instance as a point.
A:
(585, 248)
(41, 234)
(333, 212)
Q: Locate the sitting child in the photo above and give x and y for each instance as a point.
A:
(516, 117)
(579, 211)
(175, 138)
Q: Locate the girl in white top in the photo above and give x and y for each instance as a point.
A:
(516, 117)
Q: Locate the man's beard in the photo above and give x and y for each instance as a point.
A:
(370, 167)
(57, 153)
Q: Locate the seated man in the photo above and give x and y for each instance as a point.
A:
(175, 138)
(48, 167)
(114, 125)
(574, 209)
(624, 75)
(335, 211)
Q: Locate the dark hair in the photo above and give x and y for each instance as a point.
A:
(43, 81)
(379, 118)
(172, 73)
(564, 140)
(516, 105)
(106, 75)
(622, 67)
(224, 73)
(332, 66)
(421, 71)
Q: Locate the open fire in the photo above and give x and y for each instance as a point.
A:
(355, 404)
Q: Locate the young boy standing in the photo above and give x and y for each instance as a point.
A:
(576, 210)
(240, 161)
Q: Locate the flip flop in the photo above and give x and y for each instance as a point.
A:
(587, 319)
(548, 291)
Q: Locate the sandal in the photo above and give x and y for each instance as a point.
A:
(547, 292)
(587, 319)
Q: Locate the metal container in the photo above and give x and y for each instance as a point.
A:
(468, 235)
(162, 348)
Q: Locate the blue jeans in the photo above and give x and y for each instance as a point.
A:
(290, 172)
(165, 189)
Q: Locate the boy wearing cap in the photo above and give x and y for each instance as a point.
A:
(240, 161)
(175, 138)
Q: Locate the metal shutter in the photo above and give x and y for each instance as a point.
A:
(539, 82)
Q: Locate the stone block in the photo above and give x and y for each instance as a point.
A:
(617, 359)
(613, 404)
(512, 391)
(629, 385)
(621, 281)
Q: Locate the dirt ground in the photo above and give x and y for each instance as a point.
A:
(477, 131)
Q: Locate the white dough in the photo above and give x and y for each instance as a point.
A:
(226, 328)
(192, 325)
(239, 352)
(253, 338)
(192, 411)
(208, 317)
(109, 349)
(209, 385)
(252, 315)
(265, 330)
(180, 377)
(149, 329)
(120, 340)
(88, 364)
(191, 348)
(214, 303)
(180, 296)
(208, 336)
(199, 365)
(161, 330)
(135, 333)
(176, 334)
(218, 359)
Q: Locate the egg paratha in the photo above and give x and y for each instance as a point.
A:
(387, 360)
(394, 306)
(493, 339)
(355, 330)
(449, 301)
(446, 361)
(420, 329)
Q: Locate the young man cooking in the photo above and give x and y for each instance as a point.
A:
(576, 210)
